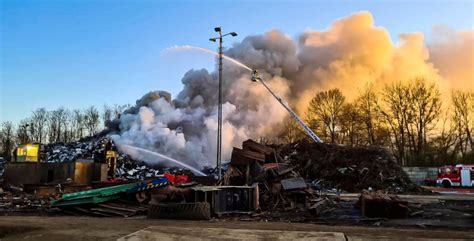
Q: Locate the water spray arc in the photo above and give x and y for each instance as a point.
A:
(219, 112)
(208, 51)
(156, 154)
(256, 78)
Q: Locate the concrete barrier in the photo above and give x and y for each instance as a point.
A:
(418, 174)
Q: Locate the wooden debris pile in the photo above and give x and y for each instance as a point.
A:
(283, 191)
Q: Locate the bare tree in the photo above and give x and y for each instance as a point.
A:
(63, 125)
(324, 112)
(463, 117)
(38, 122)
(7, 139)
(22, 132)
(118, 110)
(426, 102)
(107, 113)
(61, 119)
(57, 124)
(92, 116)
(351, 125)
(373, 122)
(366, 103)
(444, 144)
(411, 110)
(394, 108)
(71, 126)
(66, 123)
(78, 124)
(290, 131)
(52, 126)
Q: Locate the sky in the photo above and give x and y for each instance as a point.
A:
(80, 53)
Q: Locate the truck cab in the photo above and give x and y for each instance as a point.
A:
(456, 176)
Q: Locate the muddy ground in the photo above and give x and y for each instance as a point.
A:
(88, 228)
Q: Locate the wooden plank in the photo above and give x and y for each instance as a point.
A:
(256, 147)
(245, 157)
(116, 207)
(111, 211)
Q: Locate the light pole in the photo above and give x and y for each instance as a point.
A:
(25, 127)
(219, 108)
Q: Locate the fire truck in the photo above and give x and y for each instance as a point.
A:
(456, 176)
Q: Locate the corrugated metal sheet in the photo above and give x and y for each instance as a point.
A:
(293, 183)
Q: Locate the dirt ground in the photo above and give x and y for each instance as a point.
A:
(89, 228)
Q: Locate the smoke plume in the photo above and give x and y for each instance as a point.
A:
(351, 53)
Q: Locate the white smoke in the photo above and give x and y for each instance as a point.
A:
(186, 127)
(349, 54)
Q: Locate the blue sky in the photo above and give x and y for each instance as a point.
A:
(80, 53)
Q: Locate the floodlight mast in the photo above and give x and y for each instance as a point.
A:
(219, 109)
(256, 78)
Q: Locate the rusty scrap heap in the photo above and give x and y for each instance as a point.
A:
(283, 192)
(294, 177)
(127, 168)
(296, 180)
(327, 166)
(351, 169)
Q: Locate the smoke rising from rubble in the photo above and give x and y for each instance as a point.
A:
(351, 53)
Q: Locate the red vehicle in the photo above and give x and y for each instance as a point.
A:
(456, 176)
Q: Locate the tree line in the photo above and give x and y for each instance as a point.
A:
(409, 118)
(60, 125)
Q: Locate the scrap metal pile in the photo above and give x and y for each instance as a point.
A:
(351, 169)
(127, 168)
(321, 165)
(284, 193)
(15, 202)
(296, 181)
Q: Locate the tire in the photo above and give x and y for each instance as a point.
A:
(142, 197)
(446, 184)
(190, 211)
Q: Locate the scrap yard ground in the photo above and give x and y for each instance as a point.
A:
(95, 228)
(279, 192)
(88, 228)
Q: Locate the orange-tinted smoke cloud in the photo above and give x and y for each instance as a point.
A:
(452, 53)
(353, 52)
